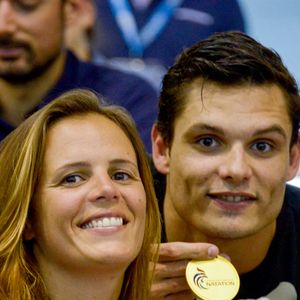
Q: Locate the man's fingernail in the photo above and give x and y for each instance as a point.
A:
(212, 251)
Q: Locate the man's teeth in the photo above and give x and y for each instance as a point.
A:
(104, 222)
(233, 198)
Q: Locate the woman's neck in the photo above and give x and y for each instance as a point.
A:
(103, 284)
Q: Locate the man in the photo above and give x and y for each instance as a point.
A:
(35, 67)
(227, 140)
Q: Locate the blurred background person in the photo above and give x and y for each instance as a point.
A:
(80, 28)
(145, 36)
(76, 196)
(35, 67)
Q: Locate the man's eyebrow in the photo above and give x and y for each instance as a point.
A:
(272, 129)
(218, 130)
(203, 127)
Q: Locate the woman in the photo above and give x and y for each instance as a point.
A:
(76, 197)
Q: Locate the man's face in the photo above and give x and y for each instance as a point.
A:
(31, 37)
(229, 160)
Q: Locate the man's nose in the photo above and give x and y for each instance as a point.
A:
(235, 166)
(8, 23)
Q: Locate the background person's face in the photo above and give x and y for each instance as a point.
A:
(91, 204)
(31, 37)
(230, 159)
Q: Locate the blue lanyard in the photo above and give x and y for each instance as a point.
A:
(137, 41)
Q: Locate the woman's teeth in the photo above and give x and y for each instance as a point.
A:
(104, 222)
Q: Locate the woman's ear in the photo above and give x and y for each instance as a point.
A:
(28, 233)
(160, 151)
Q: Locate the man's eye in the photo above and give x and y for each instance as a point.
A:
(72, 179)
(208, 142)
(262, 147)
(120, 176)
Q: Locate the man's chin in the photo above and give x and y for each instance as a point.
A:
(228, 231)
(23, 75)
(24, 72)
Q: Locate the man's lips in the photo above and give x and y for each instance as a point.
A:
(232, 197)
(10, 49)
(10, 52)
(232, 202)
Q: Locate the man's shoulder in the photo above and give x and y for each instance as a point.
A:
(290, 213)
(106, 74)
(292, 196)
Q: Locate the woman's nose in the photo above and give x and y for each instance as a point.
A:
(104, 189)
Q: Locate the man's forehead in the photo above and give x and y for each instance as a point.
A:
(200, 92)
(234, 104)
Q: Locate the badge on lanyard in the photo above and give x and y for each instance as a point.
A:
(138, 40)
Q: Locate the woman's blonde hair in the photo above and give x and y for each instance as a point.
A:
(21, 161)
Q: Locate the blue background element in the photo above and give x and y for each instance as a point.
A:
(276, 24)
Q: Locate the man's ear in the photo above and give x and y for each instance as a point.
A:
(160, 151)
(71, 9)
(80, 13)
(294, 160)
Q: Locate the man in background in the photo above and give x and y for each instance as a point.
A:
(35, 66)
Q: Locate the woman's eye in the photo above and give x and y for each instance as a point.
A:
(120, 176)
(262, 147)
(72, 179)
(208, 142)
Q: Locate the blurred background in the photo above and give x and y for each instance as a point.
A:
(276, 24)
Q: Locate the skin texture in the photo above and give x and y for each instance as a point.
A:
(89, 172)
(234, 143)
(31, 35)
(79, 28)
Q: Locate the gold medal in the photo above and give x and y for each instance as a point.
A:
(215, 279)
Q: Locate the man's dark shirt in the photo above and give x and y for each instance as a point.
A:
(117, 87)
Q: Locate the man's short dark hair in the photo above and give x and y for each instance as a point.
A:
(229, 59)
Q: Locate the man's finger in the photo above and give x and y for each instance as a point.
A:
(170, 269)
(161, 289)
(181, 250)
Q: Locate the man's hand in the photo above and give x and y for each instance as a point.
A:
(169, 281)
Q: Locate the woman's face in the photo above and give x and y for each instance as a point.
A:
(89, 211)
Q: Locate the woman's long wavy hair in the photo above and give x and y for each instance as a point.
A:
(21, 161)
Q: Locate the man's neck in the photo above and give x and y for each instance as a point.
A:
(245, 253)
(16, 100)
